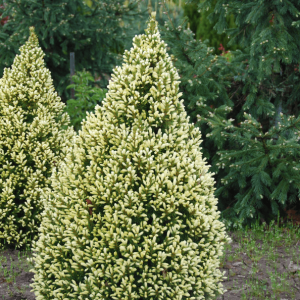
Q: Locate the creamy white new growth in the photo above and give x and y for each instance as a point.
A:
(131, 213)
(32, 141)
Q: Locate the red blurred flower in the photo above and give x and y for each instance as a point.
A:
(89, 202)
(272, 20)
(3, 20)
(221, 48)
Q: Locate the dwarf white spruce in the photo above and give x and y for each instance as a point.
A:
(131, 213)
(34, 136)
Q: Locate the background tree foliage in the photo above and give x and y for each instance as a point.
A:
(93, 33)
(203, 27)
(237, 105)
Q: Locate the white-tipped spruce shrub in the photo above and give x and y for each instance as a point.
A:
(131, 213)
(34, 136)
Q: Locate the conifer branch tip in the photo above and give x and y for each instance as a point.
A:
(31, 28)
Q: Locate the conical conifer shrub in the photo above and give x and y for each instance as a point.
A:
(132, 213)
(34, 136)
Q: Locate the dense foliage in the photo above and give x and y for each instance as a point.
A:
(256, 160)
(86, 98)
(220, 91)
(203, 27)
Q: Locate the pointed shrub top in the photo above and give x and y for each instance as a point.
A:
(33, 38)
(29, 81)
(152, 25)
(146, 86)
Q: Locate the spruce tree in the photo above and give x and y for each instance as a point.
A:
(203, 27)
(93, 33)
(265, 162)
(256, 161)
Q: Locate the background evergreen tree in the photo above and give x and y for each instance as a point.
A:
(267, 167)
(93, 33)
(256, 163)
(174, 7)
(262, 80)
(203, 27)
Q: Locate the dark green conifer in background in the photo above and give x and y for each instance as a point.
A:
(238, 105)
(203, 27)
(261, 80)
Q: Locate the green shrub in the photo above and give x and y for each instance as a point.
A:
(87, 97)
